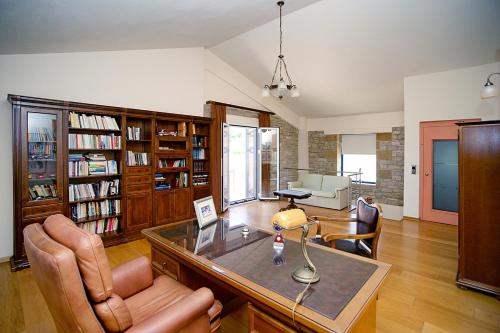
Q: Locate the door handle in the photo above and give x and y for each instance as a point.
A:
(427, 173)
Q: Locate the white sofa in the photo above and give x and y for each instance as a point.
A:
(327, 191)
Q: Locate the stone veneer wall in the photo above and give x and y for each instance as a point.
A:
(289, 150)
(322, 152)
(390, 150)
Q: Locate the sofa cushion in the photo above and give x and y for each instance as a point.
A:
(301, 189)
(324, 194)
(311, 181)
(89, 251)
(331, 183)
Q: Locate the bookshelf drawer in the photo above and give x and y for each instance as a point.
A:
(45, 210)
(165, 264)
(139, 179)
(139, 187)
(138, 170)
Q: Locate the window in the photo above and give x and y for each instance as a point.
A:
(359, 152)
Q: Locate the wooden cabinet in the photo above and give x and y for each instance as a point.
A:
(172, 205)
(479, 191)
(59, 149)
(139, 211)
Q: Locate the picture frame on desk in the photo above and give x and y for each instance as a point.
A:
(205, 211)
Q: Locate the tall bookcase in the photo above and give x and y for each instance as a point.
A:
(113, 171)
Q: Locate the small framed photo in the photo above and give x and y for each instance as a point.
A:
(205, 211)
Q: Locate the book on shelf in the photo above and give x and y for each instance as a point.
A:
(137, 158)
(181, 128)
(89, 141)
(101, 226)
(95, 209)
(92, 164)
(200, 179)
(193, 128)
(200, 141)
(92, 121)
(171, 163)
(102, 189)
(41, 151)
(40, 134)
(199, 154)
(199, 166)
(42, 191)
(134, 133)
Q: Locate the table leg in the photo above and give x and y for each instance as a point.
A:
(291, 205)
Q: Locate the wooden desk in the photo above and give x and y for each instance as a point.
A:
(268, 310)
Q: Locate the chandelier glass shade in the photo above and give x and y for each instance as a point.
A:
(281, 84)
(490, 90)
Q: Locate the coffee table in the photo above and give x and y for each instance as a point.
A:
(239, 268)
(292, 194)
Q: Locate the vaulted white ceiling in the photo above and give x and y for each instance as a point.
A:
(346, 56)
(43, 26)
(350, 56)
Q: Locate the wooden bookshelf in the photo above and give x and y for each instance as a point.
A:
(42, 160)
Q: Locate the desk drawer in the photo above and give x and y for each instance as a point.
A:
(259, 322)
(165, 264)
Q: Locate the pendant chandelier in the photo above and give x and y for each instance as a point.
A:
(279, 87)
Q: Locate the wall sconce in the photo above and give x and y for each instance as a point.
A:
(490, 90)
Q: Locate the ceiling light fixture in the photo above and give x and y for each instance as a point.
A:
(280, 88)
(490, 90)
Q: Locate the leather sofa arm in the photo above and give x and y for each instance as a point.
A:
(294, 184)
(132, 277)
(178, 315)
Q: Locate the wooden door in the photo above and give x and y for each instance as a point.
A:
(164, 203)
(138, 211)
(439, 171)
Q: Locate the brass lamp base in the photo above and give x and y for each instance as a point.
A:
(305, 275)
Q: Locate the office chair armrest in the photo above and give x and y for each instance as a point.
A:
(330, 237)
(178, 315)
(132, 277)
(333, 219)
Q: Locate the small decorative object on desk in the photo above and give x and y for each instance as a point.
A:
(245, 232)
(205, 211)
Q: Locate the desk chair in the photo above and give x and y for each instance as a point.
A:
(85, 295)
(368, 226)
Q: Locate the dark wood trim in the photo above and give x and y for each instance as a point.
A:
(218, 112)
(239, 107)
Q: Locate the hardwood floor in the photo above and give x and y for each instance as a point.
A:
(419, 295)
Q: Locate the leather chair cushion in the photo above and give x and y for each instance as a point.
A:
(348, 245)
(114, 314)
(56, 272)
(367, 217)
(163, 293)
(89, 252)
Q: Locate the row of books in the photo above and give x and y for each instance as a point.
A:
(92, 121)
(138, 158)
(134, 133)
(95, 209)
(199, 166)
(42, 191)
(40, 134)
(101, 226)
(89, 141)
(41, 150)
(86, 168)
(102, 189)
(199, 153)
(170, 163)
(200, 141)
(200, 179)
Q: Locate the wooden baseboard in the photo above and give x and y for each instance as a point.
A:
(411, 218)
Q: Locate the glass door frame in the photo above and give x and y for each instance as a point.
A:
(60, 157)
(259, 162)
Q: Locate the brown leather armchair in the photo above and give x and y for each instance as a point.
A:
(368, 226)
(85, 295)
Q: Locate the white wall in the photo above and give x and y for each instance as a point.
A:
(441, 96)
(167, 80)
(357, 124)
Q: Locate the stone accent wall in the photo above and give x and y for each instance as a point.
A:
(289, 150)
(390, 165)
(322, 152)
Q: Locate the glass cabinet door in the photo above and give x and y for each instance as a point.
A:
(42, 172)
